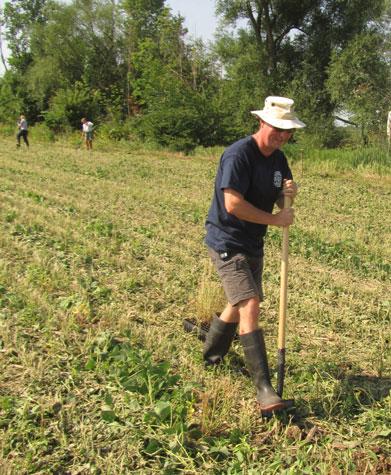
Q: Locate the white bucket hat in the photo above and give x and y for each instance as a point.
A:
(279, 112)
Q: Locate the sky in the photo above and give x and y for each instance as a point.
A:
(199, 16)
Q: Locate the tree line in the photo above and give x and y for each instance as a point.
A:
(131, 65)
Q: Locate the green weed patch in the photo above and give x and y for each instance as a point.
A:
(345, 255)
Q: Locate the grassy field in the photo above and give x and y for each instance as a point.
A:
(101, 258)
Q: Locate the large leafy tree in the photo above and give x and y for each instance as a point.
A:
(81, 42)
(360, 82)
(78, 42)
(243, 85)
(142, 18)
(140, 23)
(58, 54)
(294, 45)
(20, 17)
(100, 29)
(271, 23)
(171, 83)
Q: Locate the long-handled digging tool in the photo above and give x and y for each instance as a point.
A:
(283, 304)
(200, 330)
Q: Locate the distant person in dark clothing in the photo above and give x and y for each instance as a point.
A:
(22, 131)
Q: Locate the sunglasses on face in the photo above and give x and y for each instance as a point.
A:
(288, 131)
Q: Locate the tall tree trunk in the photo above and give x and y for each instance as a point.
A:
(270, 43)
(1, 51)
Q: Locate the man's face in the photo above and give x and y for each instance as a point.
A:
(275, 137)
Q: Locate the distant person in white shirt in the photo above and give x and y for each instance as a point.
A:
(389, 128)
(88, 128)
(22, 131)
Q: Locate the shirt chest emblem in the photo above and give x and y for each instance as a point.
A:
(277, 179)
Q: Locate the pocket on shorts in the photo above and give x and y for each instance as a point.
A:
(240, 262)
(222, 264)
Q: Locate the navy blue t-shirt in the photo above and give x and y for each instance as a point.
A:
(259, 180)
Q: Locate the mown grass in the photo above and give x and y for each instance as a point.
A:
(101, 257)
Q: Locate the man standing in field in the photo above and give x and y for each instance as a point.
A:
(22, 131)
(88, 128)
(252, 176)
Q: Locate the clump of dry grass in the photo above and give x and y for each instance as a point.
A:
(209, 297)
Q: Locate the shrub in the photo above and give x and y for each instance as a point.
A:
(117, 131)
(68, 106)
(42, 133)
(180, 125)
(7, 130)
(322, 137)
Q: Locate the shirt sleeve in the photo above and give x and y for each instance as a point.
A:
(235, 173)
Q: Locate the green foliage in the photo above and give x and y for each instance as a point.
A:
(68, 106)
(180, 121)
(176, 110)
(7, 130)
(10, 106)
(42, 133)
(293, 46)
(14, 100)
(142, 17)
(43, 80)
(322, 132)
(244, 88)
(134, 61)
(19, 17)
(117, 131)
(360, 83)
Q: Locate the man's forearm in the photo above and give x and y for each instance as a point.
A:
(236, 205)
(245, 211)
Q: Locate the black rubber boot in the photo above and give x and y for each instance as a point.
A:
(256, 360)
(218, 340)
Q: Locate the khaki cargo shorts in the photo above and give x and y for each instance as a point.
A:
(240, 274)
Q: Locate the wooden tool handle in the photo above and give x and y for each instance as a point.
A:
(283, 305)
(284, 280)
